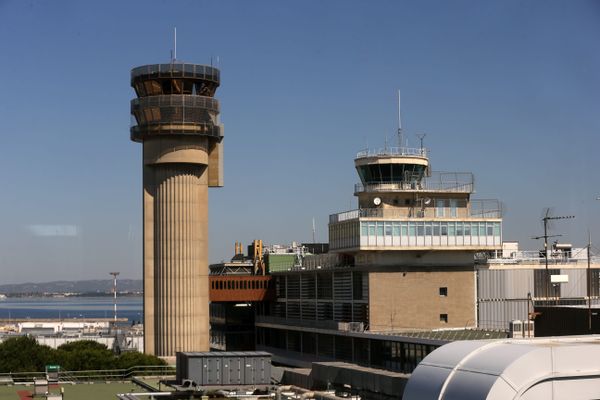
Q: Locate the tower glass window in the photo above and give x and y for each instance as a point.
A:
(453, 208)
(439, 208)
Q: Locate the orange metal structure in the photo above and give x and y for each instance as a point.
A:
(241, 288)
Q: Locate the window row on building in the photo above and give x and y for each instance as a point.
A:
(382, 352)
(421, 233)
(156, 87)
(321, 311)
(239, 284)
(326, 285)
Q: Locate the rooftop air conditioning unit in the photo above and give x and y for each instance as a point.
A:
(515, 329)
(343, 326)
(356, 327)
(528, 329)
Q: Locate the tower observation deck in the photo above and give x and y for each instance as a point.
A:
(176, 118)
(403, 206)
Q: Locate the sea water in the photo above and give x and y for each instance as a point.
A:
(70, 307)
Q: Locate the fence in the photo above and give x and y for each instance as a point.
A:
(92, 375)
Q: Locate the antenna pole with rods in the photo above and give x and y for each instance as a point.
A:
(175, 44)
(545, 219)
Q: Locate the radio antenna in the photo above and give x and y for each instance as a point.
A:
(175, 44)
(421, 136)
(400, 138)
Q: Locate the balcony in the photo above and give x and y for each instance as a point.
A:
(477, 209)
(175, 70)
(455, 182)
(175, 115)
(393, 152)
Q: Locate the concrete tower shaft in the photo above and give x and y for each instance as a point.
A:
(176, 119)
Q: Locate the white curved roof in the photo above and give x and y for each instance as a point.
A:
(537, 368)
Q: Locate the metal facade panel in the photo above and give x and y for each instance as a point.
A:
(519, 284)
(577, 285)
(342, 286)
(496, 314)
(265, 370)
(195, 369)
(504, 284)
(261, 370)
(249, 370)
(212, 373)
(233, 370)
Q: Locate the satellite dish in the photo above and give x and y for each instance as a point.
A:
(427, 201)
(377, 201)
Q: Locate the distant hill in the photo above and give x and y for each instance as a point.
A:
(88, 286)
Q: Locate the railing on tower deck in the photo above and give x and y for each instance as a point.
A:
(478, 209)
(392, 151)
(457, 182)
(485, 208)
(528, 257)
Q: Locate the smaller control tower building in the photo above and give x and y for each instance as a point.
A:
(416, 232)
(176, 118)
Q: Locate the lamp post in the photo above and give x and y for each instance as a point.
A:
(114, 274)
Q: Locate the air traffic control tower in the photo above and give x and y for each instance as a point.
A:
(176, 118)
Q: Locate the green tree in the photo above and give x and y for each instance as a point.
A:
(85, 355)
(24, 354)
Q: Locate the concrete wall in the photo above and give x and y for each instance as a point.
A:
(176, 245)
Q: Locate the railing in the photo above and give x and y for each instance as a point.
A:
(478, 209)
(179, 100)
(138, 132)
(345, 216)
(533, 257)
(311, 323)
(485, 208)
(175, 70)
(458, 182)
(392, 151)
(93, 375)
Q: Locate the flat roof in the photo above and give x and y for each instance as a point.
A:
(97, 391)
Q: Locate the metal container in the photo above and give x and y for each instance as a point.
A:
(227, 369)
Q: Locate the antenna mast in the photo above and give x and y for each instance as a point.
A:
(421, 136)
(400, 138)
(175, 44)
(547, 217)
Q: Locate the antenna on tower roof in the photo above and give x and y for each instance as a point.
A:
(400, 138)
(421, 136)
(174, 43)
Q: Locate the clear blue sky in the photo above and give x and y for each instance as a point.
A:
(509, 90)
